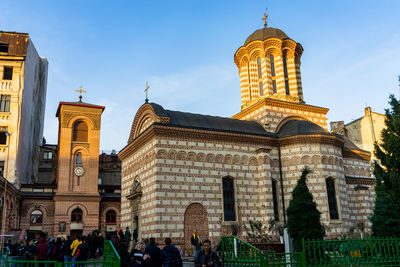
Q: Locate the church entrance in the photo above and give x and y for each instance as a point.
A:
(195, 219)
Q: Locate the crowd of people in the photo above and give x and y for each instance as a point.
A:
(145, 253)
(148, 254)
(61, 249)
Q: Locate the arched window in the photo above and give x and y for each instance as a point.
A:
(78, 158)
(80, 132)
(36, 217)
(285, 72)
(260, 76)
(76, 215)
(271, 59)
(332, 203)
(229, 199)
(111, 216)
(275, 200)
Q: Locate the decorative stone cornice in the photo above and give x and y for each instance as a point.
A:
(326, 139)
(281, 104)
(360, 180)
(357, 154)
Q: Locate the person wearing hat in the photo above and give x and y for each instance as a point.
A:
(137, 260)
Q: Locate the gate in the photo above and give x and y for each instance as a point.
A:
(237, 253)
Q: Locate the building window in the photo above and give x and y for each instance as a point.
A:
(260, 75)
(3, 48)
(76, 215)
(1, 168)
(111, 216)
(5, 103)
(3, 138)
(272, 65)
(7, 73)
(332, 203)
(80, 132)
(36, 217)
(285, 72)
(272, 61)
(78, 158)
(275, 200)
(229, 199)
(47, 155)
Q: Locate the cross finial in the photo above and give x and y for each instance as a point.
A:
(80, 91)
(265, 18)
(147, 91)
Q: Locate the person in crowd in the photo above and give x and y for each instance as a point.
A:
(94, 244)
(41, 248)
(75, 244)
(195, 241)
(170, 255)
(82, 252)
(207, 257)
(30, 251)
(114, 239)
(122, 250)
(21, 249)
(67, 250)
(128, 235)
(137, 260)
(154, 253)
(101, 244)
(60, 242)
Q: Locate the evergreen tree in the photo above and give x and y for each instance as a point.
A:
(387, 172)
(386, 217)
(303, 217)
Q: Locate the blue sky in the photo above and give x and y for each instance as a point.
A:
(185, 50)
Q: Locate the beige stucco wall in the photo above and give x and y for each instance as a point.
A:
(26, 117)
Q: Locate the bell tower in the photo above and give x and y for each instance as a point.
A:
(270, 81)
(77, 199)
(269, 67)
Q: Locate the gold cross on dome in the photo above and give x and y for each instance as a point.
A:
(147, 91)
(265, 18)
(80, 91)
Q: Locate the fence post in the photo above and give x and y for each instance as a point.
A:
(303, 257)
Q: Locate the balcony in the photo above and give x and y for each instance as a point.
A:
(5, 85)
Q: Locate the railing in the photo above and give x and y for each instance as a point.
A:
(5, 85)
(110, 254)
(353, 252)
(236, 252)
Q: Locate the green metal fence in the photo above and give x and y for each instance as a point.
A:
(353, 252)
(236, 252)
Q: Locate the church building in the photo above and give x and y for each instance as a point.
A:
(184, 171)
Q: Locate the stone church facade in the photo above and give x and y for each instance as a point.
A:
(184, 171)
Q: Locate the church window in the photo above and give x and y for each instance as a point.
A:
(36, 217)
(4, 48)
(260, 75)
(275, 200)
(111, 216)
(274, 86)
(1, 167)
(76, 215)
(229, 199)
(78, 158)
(5, 103)
(332, 203)
(285, 72)
(272, 66)
(80, 132)
(3, 138)
(7, 73)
